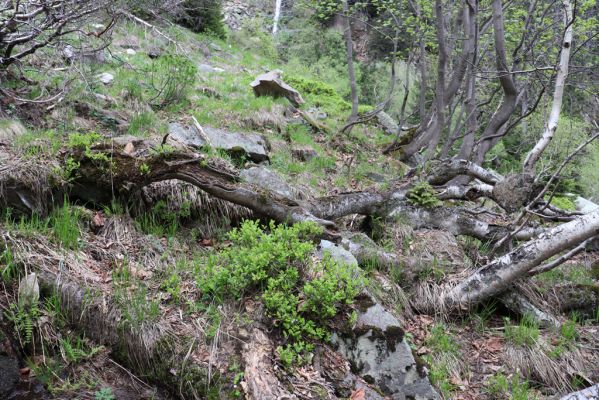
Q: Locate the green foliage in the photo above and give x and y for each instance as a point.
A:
(144, 169)
(104, 394)
(423, 194)
(525, 333)
(203, 16)
(271, 261)
(24, 319)
(163, 219)
(137, 307)
(9, 267)
(83, 141)
(441, 341)
(501, 387)
(141, 123)
(564, 203)
(172, 285)
(65, 225)
(171, 77)
(74, 351)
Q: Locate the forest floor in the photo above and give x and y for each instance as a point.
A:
(147, 265)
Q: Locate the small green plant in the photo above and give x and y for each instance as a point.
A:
(65, 225)
(423, 194)
(525, 333)
(172, 285)
(9, 269)
(501, 387)
(137, 307)
(144, 169)
(104, 394)
(163, 150)
(77, 350)
(24, 318)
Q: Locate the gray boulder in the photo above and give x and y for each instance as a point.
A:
(271, 84)
(106, 78)
(270, 180)
(337, 253)
(9, 376)
(209, 68)
(390, 127)
(303, 153)
(187, 135)
(376, 348)
(251, 145)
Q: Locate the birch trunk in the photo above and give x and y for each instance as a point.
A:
(560, 80)
(495, 277)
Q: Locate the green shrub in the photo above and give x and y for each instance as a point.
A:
(203, 16)
(270, 262)
(423, 194)
(171, 78)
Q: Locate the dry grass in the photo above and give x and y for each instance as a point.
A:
(535, 364)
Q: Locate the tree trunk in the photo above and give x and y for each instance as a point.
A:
(350, 63)
(510, 93)
(560, 80)
(496, 276)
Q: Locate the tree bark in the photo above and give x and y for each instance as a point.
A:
(350, 63)
(510, 93)
(560, 80)
(496, 276)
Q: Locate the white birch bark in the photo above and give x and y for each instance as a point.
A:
(495, 277)
(560, 80)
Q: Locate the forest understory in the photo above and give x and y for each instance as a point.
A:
(299, 200)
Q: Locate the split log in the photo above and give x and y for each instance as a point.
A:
(261, 382)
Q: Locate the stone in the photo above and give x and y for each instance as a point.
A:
(271, 84)
(154, 52)
(387, 123)
(106, 78)
(9, 376)
(89, 57)
(585, 206)
(251, 145)
(131, 52)
(209, 68)
(316, 113)
(29, 290)
(337, 253)
(378, 352)
(303, 153)
(270, 180)
(187, 135)
(215, 46)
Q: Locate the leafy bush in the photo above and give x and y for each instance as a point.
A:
(171, 78)
(271, 261)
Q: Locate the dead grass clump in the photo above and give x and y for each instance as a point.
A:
(535, 363)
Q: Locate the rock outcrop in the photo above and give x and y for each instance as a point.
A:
(271, 84)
